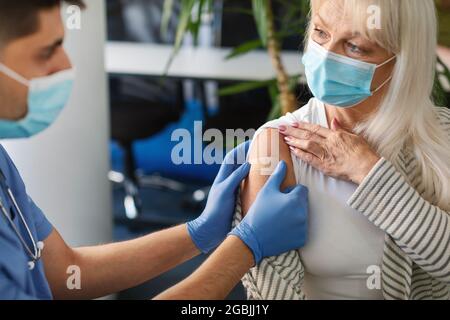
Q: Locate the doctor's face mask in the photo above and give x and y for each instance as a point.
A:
(47, 97)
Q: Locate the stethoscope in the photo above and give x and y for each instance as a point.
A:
(36, 251)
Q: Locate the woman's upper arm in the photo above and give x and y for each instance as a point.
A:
(266, 152)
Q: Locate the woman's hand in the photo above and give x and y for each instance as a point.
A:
(337, 152)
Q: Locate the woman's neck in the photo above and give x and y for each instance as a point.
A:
(350, 117)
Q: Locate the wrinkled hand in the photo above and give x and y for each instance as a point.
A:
(277, 221)
(212, 227)
(337, 152)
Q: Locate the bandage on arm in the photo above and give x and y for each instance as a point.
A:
(267, 150)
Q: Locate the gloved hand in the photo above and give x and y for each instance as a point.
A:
(212, 227)
(277, 221)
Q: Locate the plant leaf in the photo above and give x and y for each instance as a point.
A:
(244, 87)
(167, 15)
(256, 44)
(183, 25)
(260, 15)
(244, 48)
(274, 93)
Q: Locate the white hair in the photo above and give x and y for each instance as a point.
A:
(406, 116)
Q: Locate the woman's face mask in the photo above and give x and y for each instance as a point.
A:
(339, 80)
(47, 97)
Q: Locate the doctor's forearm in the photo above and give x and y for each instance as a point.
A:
(215, 279)
(114, 267)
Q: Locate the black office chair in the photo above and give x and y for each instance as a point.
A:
(140, 107)
(134, 119)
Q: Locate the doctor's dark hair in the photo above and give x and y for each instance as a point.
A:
(19, 18)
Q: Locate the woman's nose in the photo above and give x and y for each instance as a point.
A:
(334, 46)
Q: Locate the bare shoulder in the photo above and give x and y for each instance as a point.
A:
(268, 149)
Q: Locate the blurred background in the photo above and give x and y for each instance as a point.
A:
(222, 87)
(146, 68)
(146, 108)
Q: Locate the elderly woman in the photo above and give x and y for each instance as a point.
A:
(375, 154)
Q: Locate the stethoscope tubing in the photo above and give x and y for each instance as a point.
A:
(35, 252)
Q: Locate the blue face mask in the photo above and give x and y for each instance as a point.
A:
(47, 97)
(338, 80)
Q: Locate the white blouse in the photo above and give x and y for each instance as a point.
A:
(344, 249)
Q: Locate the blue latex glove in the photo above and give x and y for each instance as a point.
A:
(277, 221)
(212, 227)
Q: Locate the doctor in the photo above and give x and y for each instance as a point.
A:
(35, 83)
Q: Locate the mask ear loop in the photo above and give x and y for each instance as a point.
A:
(388, 79)
(382, 85)
(14, 75)
(387, 61)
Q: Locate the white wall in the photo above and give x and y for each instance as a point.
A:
(65, 168)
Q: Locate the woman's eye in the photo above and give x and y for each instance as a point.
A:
(320, 33)
(354, 48)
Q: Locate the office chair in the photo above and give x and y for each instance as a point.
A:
(134, 119)
(140, 107)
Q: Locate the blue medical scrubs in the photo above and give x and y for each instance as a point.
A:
(16, 280)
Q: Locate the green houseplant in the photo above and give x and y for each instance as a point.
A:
(293, 23)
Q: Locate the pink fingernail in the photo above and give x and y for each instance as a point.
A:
(282, 128)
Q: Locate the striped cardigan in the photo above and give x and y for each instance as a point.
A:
(416, 258)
